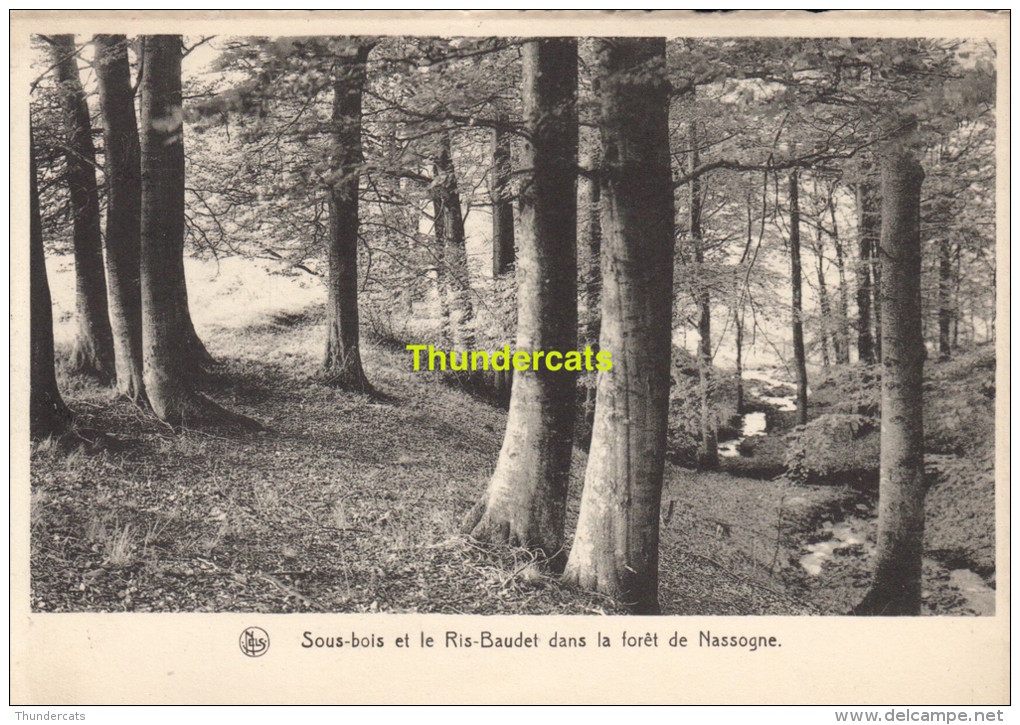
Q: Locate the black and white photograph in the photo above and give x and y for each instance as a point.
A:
(483, 322)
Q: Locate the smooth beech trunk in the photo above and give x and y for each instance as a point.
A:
(124, 210)
(867, 239)
(527, 497)
(342, 363)
(896, 588)
(48, 415)
(616, 546)
(92, 353)
(502, 205)
(166, 365)
(590, 251)
(799, 358)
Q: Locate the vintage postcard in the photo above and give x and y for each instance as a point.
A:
(510, 357)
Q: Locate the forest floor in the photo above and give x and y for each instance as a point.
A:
(349, 503)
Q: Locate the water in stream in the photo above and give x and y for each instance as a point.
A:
(977, 595)
(841, 536)
(756, 424)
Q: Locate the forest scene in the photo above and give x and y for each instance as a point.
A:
(787, 245)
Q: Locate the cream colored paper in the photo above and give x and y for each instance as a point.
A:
(196, 658)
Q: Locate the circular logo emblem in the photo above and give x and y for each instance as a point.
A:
(254, 641)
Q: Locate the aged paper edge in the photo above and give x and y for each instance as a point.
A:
(194, 658)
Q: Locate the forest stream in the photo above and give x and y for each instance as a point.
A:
(764, 387)
(842, 537)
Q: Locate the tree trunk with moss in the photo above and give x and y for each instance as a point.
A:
(525, 504)
(92, 353)
(616, 545)
(896, 587)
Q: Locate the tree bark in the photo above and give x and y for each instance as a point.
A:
(616, 545)
(527, 497)
(92, 353)
(876, 294)
(342, 362)
(799, 357)
(166, 367)
(945, 299)
(738, 320)
(844, 303)
(123, 211)
(867, 231)
(896, 587)
(455, 273)
(956, 295)
(825, 307)
(589, 202)
(708, 451)
(502, 206)
(48, 415)
(442, 270)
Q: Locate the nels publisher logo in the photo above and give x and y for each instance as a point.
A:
(254, 641)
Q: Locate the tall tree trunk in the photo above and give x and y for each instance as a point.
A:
(843, 357)
(93, 346)
(166, 368)
(48, 415)
(956, 295)
(799, 357)
(442, 268)
(738, 321)
(708, 451)
(123, 211)
(876, 295)
(503, 251)
(198, 355)
(616, 545)
(867, 231)
(455, 273)
(825, 307)
(527, 497)
(342, 362)
(589, 198)
(896, 588)
(945, 299)
(502, 206)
